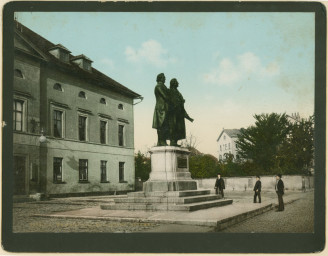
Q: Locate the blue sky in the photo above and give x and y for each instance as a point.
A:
(230, 66)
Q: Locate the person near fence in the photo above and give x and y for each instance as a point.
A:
(280, 190)
(219, 185)
(257, 189)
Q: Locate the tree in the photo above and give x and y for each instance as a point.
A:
(142, 166)
(261, 143)
(203, 166)
(189, 142)
(298, 150)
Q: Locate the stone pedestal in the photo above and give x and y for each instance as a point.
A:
(170, 187)
(169, 170)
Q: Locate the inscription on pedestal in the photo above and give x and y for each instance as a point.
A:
(182, 162)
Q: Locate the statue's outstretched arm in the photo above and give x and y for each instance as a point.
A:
(187, 116)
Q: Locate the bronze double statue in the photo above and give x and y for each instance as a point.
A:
(169, 115)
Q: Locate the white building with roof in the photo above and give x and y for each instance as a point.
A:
(227, 143)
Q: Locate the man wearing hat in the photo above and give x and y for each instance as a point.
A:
(280, 191)
(219, 185)
(257, 189)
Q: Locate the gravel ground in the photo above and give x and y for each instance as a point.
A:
(298, 217)
(23, 221)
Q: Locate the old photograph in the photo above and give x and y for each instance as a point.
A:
(163, 122)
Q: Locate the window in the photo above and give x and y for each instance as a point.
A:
(82, 95)
(82, 128)
(225, 146)
(103, 129)
(229, 145)
(58, 87)
(18, 115)
(18, 73)
(121, 171)
(120, 106)
(103, 101)
(83, 170)
(220, 148)
(224, 137)
(58, 123)
(121, 135)
(220, 157)
(58, 170)
(103, 171)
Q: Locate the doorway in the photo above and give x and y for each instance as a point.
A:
(19, 175)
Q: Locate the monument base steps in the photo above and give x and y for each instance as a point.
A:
(170, 201)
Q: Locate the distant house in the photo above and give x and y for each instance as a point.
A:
(73, 126)
(227, 143)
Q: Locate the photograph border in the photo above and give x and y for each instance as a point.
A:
(166, 242)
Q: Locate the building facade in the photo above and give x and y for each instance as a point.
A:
(227, 143)
(73, 125)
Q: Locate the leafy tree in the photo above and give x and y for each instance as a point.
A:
(142, 166)
(297, 151)
(203, 166)
(261, 143)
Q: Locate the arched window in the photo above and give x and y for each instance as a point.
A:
(18, 73)
(103, 101)
(58, 87)
(120, 106)
(82, 95)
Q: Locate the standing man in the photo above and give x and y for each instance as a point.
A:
(280, 188)
(257, 189)
(160, 119)
(219, 185)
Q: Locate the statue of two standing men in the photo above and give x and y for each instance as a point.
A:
(169, 112)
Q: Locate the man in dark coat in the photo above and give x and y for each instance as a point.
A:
(280, 190)
(177, 114)
(219, 185)
(160, 119)
(257, 189)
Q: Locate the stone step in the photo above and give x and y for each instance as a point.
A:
(184, 193)
(201, 198)
(167, 207)
(171, 200)
(22, 199)
(202, 205)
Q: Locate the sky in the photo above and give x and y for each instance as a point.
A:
(230, 66)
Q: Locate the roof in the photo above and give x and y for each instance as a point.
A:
(96, 77)
(232, 133)
(61, 47)
(81, 56)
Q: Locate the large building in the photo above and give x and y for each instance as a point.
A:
(227, 143)
(73, 125)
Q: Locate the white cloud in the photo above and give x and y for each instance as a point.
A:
(246, 66)
(150, 52)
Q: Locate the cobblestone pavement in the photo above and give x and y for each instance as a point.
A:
(298, 217)
(24, 222)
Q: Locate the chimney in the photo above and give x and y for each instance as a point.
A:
(83, 61)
